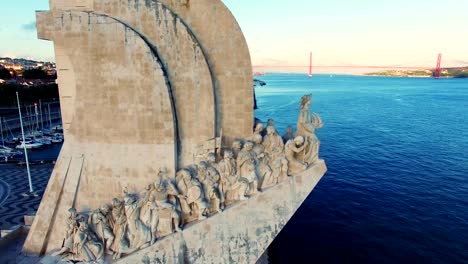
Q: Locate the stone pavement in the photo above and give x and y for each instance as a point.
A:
(13, 183)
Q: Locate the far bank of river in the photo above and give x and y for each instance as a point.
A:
(461, 72)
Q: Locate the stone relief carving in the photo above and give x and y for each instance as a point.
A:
(307, 123)
(274, 146)
(247, 167)
(289, 134)
(193, 193)
(191, 197)
(234, 189)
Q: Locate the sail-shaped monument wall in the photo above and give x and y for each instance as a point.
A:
(144, 83)
(121, 122)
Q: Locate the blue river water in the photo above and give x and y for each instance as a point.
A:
(396, 190)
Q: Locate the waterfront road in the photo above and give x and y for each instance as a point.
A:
(13, 184)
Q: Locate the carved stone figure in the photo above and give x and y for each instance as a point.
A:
(211, 159)
(80, 244)
(146, 211)
(307, 123)
(292, 150)
(289, 134)
(170, 185)
(210, 179)
(259, 129)
(236, 147)
(119, 220)
(165, 218)
(264, 171)
(72, 227)
(214, 169)
(138, 234)
(100, 221)
(273, 143)
(192, 197)
(246, 166)
(274, 146)
(270, 122)
(86, 246)
(234, 189)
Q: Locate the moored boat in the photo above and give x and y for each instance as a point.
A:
(29, 144)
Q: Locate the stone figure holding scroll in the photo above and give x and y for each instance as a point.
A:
(307, 123)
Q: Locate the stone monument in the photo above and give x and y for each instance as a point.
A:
(159, 163)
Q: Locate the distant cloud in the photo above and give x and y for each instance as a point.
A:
(29, 26)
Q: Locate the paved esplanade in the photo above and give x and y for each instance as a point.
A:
(153, 96)
(13, 184)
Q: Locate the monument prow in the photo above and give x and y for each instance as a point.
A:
(160, 161)
(241, 233)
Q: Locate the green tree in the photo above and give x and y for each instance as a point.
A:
(35, 74)
(4, 74)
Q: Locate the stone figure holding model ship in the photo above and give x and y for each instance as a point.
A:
(307, 123)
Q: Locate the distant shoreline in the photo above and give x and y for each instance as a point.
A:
(458, 72)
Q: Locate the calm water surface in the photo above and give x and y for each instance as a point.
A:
(397, 186)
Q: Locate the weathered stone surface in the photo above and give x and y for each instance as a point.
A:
(119, 122)
(220, 61)
(228, 55)
(187, 69)
(241, 233)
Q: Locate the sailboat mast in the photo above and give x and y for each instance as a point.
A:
(40, 113)
(31, 189)
(50, 118)
(36, 113)
(1, 132)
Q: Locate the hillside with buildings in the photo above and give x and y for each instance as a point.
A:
(458, 72)
(26, 72)
(33, 80)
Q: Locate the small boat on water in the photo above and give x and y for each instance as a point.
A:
(9, 154)
(57, 138)
(29, 144)
(43, 140)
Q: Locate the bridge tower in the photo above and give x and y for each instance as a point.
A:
(437, 71)
(310, 65)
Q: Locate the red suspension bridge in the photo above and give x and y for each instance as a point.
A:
(436, 66)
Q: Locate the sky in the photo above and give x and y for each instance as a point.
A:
(338, 32)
